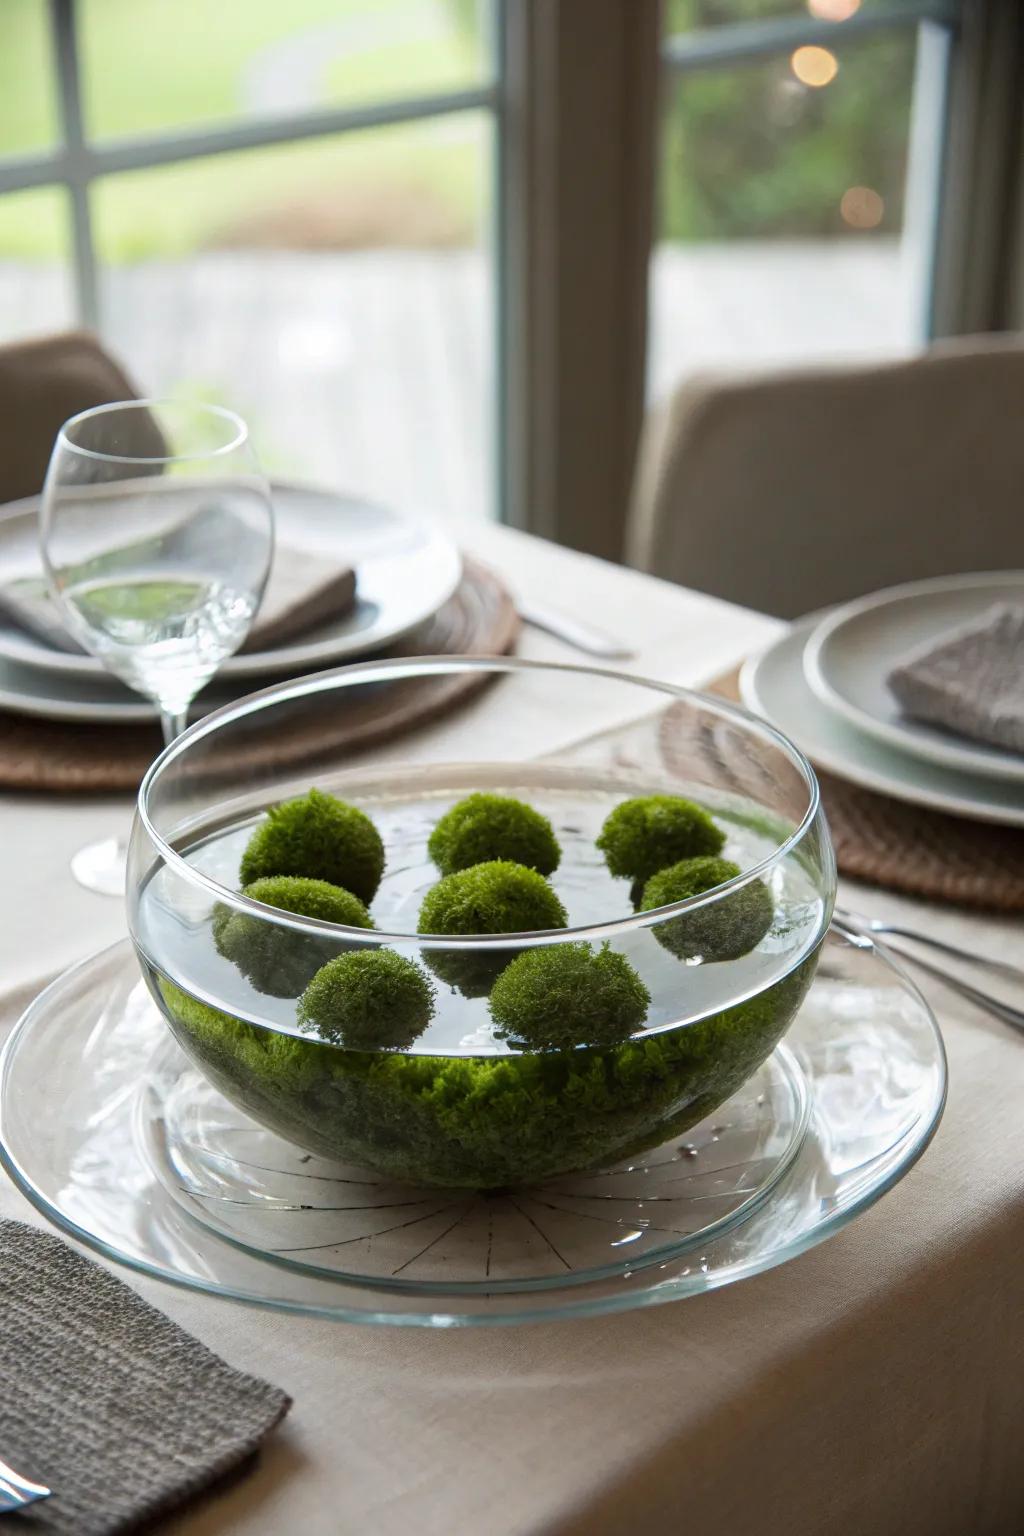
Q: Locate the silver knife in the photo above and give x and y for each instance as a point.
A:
(17, 1491)
(583, 637)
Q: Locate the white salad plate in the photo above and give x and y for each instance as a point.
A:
(773, 684)
(853, 648)
(405, 570)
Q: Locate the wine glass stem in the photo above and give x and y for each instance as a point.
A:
(172, 723)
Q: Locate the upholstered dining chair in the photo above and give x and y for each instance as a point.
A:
(789, 491)
(42, 383)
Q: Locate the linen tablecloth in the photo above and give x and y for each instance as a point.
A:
(871, 1386)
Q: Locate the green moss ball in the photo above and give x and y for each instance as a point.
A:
(495, 897)
(280, 961)
(569, 995)
(485, 827)
(368, 1000)
(321, 838)
(644, 835)
(724, 930)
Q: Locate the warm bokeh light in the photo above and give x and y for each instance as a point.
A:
(862, 207)
(833, 10)
(814, 66)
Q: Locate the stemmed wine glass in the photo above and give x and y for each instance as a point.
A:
(156, 534)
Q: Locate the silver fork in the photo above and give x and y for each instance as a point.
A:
(17, 1491)
(876, 925)
(995, 1005)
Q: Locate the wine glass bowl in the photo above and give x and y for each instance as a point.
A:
(157, 534)
(458, 1071)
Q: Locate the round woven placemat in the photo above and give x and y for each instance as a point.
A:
(478, 620)
(917, 851)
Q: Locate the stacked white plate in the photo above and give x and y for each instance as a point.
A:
(405, 569)
(824, 684)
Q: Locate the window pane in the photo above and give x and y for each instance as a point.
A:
(150, 65)
(336, 292)
(784, 226)
(35, 278)
(28, 119)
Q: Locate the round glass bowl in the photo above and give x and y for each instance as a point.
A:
(630, 1025)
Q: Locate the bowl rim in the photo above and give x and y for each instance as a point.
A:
(397, 667)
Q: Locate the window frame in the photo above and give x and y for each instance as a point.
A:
(78, 160)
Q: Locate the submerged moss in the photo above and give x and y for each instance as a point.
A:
(373, 1000)
(568, 995)
(723, 930)
(276, 960)
(496, 897)
(485, 1122)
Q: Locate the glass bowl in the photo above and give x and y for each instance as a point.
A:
(628, 1025)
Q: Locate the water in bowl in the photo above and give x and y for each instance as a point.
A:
(173, 926)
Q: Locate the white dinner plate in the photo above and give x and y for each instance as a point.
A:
(405, 568)
(101, 700)
(853, 648)
(773, 685)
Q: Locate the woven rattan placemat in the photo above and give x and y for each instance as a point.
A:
(478, 620)
(917, 851)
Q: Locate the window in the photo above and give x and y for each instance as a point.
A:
(287, 208)
(382, 227)
(799, 171)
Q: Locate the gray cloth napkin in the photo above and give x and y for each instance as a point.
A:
(302, 592)
(971, 681)
(106, 1401)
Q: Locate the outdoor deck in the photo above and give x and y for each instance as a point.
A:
(373, 369)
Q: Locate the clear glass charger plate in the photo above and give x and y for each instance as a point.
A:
(119, 1140)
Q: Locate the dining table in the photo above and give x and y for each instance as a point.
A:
(871, 1386)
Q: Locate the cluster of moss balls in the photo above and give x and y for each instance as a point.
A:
(582, 1092)
(318, 857)
(669, 849)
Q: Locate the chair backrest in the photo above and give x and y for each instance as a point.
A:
(42, 383)
(792, 491)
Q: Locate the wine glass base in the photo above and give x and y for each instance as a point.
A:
(102, 867)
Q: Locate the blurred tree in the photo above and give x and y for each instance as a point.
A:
(748, 151)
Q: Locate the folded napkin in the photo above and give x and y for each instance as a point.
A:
(302, 592)
(971, 681)
(106, 1401)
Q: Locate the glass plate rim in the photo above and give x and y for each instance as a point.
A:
(659, 1293)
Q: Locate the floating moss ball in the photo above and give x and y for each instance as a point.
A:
(495, 897)
(485, 827)
(368, 1000)
(723, 930)
(569, 995)
(279, 961)
(321, 838)
(644, 835)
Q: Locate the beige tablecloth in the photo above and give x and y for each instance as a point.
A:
(872, 1387)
